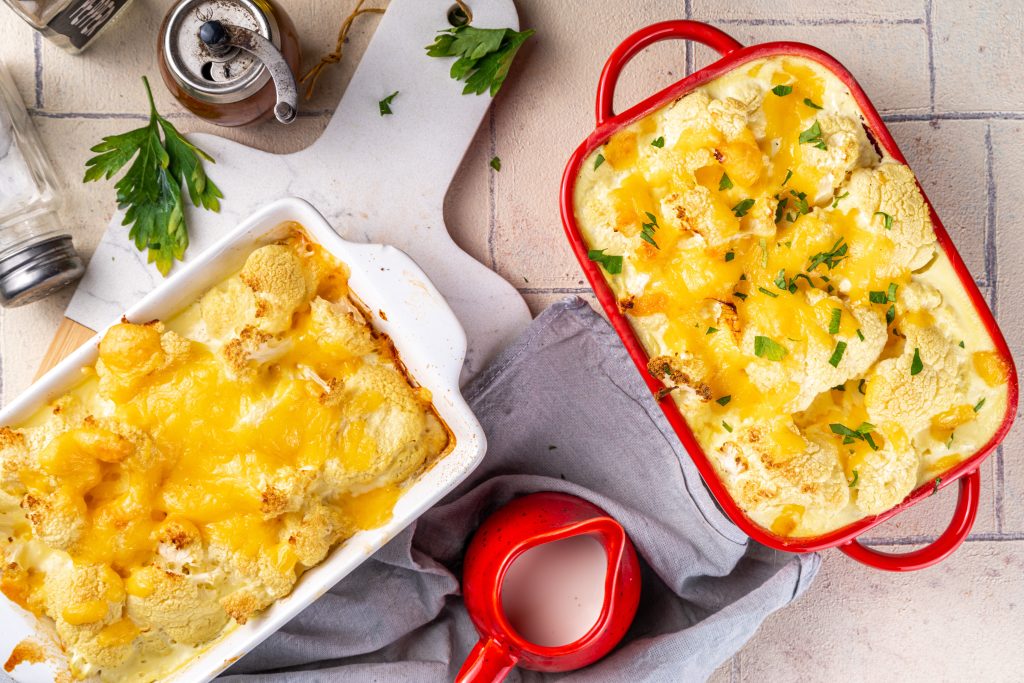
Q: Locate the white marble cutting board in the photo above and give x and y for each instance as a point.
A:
(375, 178)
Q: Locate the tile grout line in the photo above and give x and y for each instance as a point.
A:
(991, 275)
(688, 48)
(37, 53)
(819, 22)
(931, 53)
(985, 537)
(492, 210)
(734, 673)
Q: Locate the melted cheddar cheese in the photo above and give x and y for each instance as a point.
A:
(205, 463)
(783, 276)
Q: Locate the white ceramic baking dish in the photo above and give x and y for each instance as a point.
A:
(403, 304)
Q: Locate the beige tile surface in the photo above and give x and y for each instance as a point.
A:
(943, 72)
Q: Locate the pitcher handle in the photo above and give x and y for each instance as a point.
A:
(488, 662)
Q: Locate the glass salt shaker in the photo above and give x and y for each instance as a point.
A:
(71, 24)
(36, 257)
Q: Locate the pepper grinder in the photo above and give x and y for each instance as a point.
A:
(232, 62)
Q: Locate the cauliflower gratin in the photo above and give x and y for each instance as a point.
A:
(784, 278)
(205, 463)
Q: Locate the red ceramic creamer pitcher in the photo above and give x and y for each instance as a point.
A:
(522, 524)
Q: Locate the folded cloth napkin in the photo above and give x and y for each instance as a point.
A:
(564, 410)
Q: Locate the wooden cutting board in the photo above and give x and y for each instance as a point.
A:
(375, 178)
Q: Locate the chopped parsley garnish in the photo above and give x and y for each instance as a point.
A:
(935, 487)
(789, 174)
(792, 283)
(839, 387)
(647, 230)
(801, 202)
(724, 400)
(916, 365)
(860, 385)
(782, 90)
(768, 348)
(598, 161)
(886, 219)
(385, 104)
(741, 209)
(811, 103)
(835, 202)
(658, 142)
(711, 330)
(812, 136)
(728, 427)
(860, 335)
(890, 314)
(833, 324)
(612, 264)
(725, 183)
(729, 256)
(837, 355)
(978, 405)
(780, 208)
(831, 257)
(780, 279)
(740, 295)
(890, 293)
(861, 433)
(763, 243)
(768, 292)
(877, 297)
(496, 163)
(856, 477)
(962, 344)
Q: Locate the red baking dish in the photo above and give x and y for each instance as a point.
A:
(733, 55)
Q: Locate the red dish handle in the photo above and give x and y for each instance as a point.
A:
(944, 545)
(488, 662)
(682, 29)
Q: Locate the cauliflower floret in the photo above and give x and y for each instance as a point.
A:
(919, 296)
(845, 145)
(280, 284)
(340, 327)
(891, 189)
(179, 546)
(884, 478)
(269, 576)
(688, 114)
(313, 532)
(286, 490)
(228, 308)
(689, 372)
(729, 116)
(82, 598)
(57, 518)
(129, 353)
(894, 393)
(251, 350)
(173, 603)
(697, 211)
(14, 457)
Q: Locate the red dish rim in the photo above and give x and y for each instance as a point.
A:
(734, 56)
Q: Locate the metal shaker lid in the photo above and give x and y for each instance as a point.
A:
(223, 78)
(38, 269)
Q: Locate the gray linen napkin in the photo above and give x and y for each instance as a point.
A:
(564, 410)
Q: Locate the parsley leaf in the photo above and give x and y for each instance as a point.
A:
(741, 209)
(877, 297)
(484, 55)
(612, 264)
(978, 405)
(833, 324)
(725, 183)
(886, 219)
(801, 202)
(768, 292)
(150, 190)
(810, 103)
(890, 293)
(729, 256)
(658, 142)
(916, 365)
(837, 355)
(962, 344)
(860, 335)
(812, 136)
(496, 163)
(780, 208)
(598, 161)
(789, 174)
(724, 400)
(861, 384)
(647, 230)
(766, 347)
(890, 314)
(711, 330)
(782, 90)
(856, 477)
(385, 104)
(835, 202)
(728, 427)
(861, 433)
(830, 258)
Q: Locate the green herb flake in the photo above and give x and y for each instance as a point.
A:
(729, 256)
(811, 103)
(860, 385)
(741, 209)
(962, 344)
(978, 405)
(916, 365)
(740, 295)
(812, 136)
(833, 324)
(835, 202)
(711, 330)
(485, 55)
(496, 163)
(935, 486)
(860, 335)
(658, 142)
(856, 478)
(780, 279)
(763, 243)
(839, 387)
(725, 183)
(780, 209)
(612, 264)
(385, 104)
(789, 174)
(837, 355)
(886, 219)
(782, 90)
(598, 161)
(728, 427)
(890, 293)
(890, 314)
(724, 400)
(769, 349)
(768, 292)
(647, 229)
(801, 202)
(877, 297)
(830, 258)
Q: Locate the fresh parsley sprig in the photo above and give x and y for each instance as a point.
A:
(484, 55)
(150, 190)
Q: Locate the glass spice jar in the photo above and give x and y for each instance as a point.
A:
(36, 257)
(71, 24)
